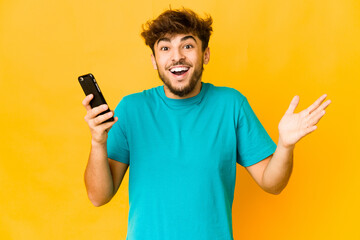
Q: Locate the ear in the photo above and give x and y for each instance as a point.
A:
(153, 61)
(206, 55)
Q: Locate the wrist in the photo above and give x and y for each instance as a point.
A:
(287, 147)
(95, 143)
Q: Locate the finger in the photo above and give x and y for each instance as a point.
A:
(316, 104)
(294, 103)
(316, 118)
(309, 130)
(107, 126)
(97, 110)
(86, 102)
(103, 117)
(323, 106)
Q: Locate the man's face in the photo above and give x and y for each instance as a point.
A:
(179, 60)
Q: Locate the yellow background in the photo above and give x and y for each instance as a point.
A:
(268, 50)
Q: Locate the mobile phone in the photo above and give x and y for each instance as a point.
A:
(90, 86)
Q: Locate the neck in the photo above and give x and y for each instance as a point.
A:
(193, 93)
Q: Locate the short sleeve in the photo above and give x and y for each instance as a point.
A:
(117, 143)
(253, 142)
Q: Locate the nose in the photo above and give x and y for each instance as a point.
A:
(178, 55)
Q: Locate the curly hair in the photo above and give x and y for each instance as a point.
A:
(179, 21)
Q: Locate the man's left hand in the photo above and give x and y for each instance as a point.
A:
(294, 126)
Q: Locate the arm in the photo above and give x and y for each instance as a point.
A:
(102, 176)
(273, 173)
(277, 173)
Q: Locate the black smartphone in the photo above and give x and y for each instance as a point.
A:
(90, 86)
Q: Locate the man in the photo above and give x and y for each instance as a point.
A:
(182, 141)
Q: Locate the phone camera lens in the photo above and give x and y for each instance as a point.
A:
(81, 79)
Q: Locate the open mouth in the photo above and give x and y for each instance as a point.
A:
(178, 71)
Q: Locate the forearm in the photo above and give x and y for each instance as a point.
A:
(278, 171)
(98, 177)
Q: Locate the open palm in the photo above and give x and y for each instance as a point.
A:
(294, 126)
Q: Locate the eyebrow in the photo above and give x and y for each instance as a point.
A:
(181, 40)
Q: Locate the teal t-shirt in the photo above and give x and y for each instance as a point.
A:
(182, 156)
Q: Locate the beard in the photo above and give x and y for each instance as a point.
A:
(183, 91)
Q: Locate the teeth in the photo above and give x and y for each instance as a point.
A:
(179, 69)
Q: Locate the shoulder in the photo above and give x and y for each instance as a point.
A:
(226, 93)
(134, 99)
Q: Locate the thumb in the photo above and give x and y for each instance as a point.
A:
(294, 103)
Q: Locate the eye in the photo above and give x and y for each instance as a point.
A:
(188, 46)
(164, 48)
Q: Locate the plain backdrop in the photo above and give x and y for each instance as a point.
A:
(268, 50)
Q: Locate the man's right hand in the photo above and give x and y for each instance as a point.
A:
(99, 130)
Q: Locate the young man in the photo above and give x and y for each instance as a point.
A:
(182, 141)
